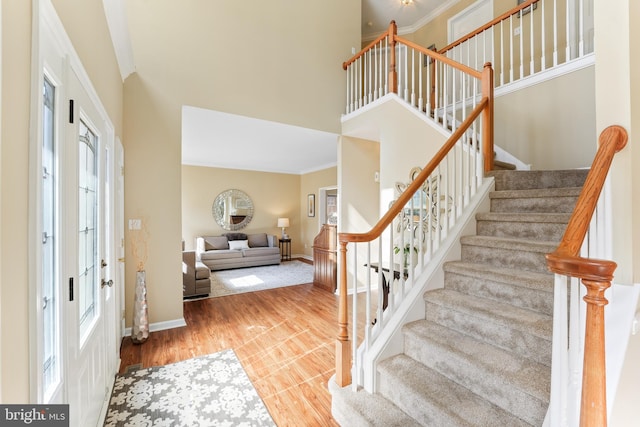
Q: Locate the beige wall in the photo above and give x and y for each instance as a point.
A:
(359, 194)
(273, 61)
(102, 69)
(274, 195)
(550, 125)
(618, 102)
(310, 226)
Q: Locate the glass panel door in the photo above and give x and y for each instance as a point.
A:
(88, 268)
(49, 254)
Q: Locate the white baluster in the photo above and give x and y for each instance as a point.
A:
(521, 47)
(543, 59)
(386, 65)
(581, 29)
(413, 78)
(511, 48)
(406, 75)
(555, 32)
(531, 64)
(501, 53)
(420, 65)
(567, 54)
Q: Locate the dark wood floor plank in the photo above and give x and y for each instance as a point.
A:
(284, 339)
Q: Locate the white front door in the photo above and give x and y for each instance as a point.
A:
(87, 222)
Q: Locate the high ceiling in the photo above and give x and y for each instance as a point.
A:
(282, 148)
(377, 14)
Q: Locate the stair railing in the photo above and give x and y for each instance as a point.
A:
(519, 43)
(399, 248)
(439, 87)
(596, 275)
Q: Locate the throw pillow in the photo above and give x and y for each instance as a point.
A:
(216, 243)
(258, 240)
(235, 236)
(238, 244)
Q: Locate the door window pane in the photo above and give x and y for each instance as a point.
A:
(50, 285)
(87, 230)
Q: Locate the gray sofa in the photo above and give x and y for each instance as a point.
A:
(236, 250)
(195, 276)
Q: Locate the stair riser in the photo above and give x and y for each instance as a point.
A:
(420, 409)
(526, 180)
(475, 378)
(498, 291)
(500, 335)
(500, 257)
(534, 204)
(543, 231)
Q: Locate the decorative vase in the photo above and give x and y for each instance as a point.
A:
(140, 328)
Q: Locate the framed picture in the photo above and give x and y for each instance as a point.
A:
(311, 205)
(426, 58)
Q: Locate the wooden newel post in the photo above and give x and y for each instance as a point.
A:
(593, 408)
(343, 344)
(393, 73)
(487, 117)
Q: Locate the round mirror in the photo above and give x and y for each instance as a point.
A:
(232, 209)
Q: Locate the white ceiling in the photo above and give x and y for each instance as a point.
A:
(217, 139)
(377, 14)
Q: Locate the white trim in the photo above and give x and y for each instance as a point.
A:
(161, 326)
(549, 74)
(115, 13)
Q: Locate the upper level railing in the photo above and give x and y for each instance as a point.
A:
(412, 232)
(520, 43)
(439, 87)
(596, 275)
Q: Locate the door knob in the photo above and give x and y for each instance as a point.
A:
(108, 283)
(103, 264)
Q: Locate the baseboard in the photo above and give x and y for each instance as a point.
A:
(161, 326)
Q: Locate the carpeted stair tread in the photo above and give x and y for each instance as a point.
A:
(529, 226)
(557, 200)
(487, 310)
(516, 384)
(526, 289)
(434, 400)
(529, 279)
(528, 255)
(534, 193)
(510, 243)
(515, 329)
(560, 218)
(362, 409)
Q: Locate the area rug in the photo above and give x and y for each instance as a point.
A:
(251, 279)
(212, 390)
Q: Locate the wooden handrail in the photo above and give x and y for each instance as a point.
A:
(420, 179)
(488, 25)
(343, 343)
(595, 274)
(391, 33)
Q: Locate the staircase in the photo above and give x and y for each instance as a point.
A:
(482, 355)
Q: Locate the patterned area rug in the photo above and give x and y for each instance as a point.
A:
(211, 390)
(239, 280)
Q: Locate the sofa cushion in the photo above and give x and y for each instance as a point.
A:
(238, 244)
(220, 254)
(235, 236)
(202, 271)
(258, 240)
(252, 252)
(216, 243)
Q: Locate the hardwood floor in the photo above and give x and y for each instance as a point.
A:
(284, 338)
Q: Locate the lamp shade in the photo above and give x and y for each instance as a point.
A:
(283, 222)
